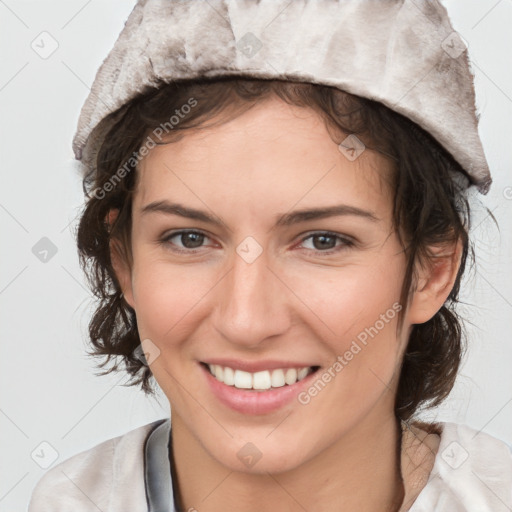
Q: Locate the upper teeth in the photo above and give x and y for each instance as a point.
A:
(258, 380)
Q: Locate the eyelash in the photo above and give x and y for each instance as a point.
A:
(346, 242)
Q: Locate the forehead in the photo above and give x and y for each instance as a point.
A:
(273, 152)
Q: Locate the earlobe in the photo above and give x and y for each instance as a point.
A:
(435, 282)
(119, 264)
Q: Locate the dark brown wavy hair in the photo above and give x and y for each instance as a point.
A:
(430, 208)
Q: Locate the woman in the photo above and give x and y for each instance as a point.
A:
(276, 226)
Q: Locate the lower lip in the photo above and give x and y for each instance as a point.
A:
(255, 402)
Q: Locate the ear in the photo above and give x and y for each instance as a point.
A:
(435, 282)
(121, 267)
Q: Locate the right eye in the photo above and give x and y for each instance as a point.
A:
(190, 241)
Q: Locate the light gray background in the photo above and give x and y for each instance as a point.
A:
(49, 390)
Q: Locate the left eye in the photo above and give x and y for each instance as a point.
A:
(326, 242)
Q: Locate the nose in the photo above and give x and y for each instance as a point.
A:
(252, 303)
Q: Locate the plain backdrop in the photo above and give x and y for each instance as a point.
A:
(49, 391)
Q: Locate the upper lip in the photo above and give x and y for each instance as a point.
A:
(256, 366)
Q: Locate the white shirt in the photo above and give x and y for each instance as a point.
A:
(471, 472)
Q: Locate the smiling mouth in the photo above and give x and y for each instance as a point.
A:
(259, 381)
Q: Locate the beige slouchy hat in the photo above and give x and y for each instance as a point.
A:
(402, 53)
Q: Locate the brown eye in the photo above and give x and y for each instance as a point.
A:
(321, 242)
(184, 241)
(191, 240)
(327, 242)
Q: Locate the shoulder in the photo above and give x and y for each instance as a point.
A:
(472, 472)
(108, 476)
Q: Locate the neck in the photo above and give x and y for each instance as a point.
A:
(360, 472)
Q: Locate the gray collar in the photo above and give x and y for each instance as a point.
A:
(157, 468)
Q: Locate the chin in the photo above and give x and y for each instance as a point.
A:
(256, 452)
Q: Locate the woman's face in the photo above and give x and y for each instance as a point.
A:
(264, 288)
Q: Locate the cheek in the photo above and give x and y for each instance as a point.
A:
(349, 299)
(356, 316)
(168, 298)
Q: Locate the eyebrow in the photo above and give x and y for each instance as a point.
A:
(286, 219)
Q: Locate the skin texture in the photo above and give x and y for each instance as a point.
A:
(292, 303)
